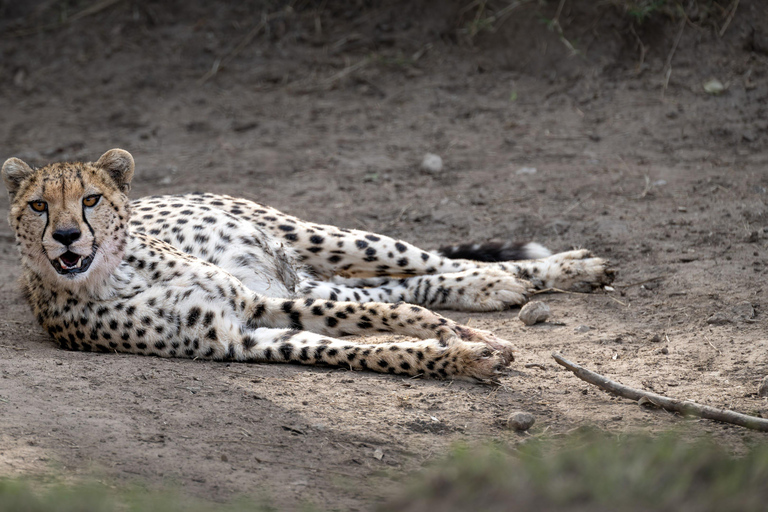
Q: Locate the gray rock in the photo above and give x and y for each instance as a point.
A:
(762, 390)
(534, 312)
(719, 318)
(582, 329)
(520, 421)
(743, 311)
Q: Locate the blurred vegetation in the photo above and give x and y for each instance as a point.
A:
(593, 472)
(589, 471)
(30, 495)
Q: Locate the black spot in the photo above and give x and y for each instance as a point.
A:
(361, 244)
(248, 342)
(193, 316)
(285, 227)
(400, 247)
(316, 239)
(372, 238)
(211, 335)
(331, 322)
(286, 350)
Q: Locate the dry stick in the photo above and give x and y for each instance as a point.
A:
(643, 49)
(226, 59)
(79, 15)
(556, 25)
(735, 5)
(669, 404)
(639, 282)
(668, 65)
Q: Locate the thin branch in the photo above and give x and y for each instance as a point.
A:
(657, 278)
(668, 65)
(226, 59)
(643, 50)
(88, 11)
(685, 407)
(734, 6)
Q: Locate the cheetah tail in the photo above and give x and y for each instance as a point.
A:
(495, 251)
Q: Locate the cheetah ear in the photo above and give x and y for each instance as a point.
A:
(14, 173)
(119, 165)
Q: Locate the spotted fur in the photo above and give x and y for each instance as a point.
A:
(209, 276)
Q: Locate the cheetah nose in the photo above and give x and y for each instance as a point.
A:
(66, 236)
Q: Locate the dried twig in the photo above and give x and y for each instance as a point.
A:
(93, 9)
(226, 59)
(668, 65)
(732, 12)
(555, 23)
(557, 290)
(669, 404)
(643, 50)
(638, 283)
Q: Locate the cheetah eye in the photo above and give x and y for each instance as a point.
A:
(38, 206)
(91, 201)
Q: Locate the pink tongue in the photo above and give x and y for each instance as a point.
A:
(70, 260)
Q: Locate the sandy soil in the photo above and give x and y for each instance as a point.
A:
(326, 114)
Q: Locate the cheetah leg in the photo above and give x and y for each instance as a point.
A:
(331, 251)
(484, 289)
(342, 318)
(432, 358)
(574, 270)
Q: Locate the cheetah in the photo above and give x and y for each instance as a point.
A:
(214, 277)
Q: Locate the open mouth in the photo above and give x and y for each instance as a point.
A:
(72, 263)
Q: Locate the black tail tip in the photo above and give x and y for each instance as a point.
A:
(495, 251)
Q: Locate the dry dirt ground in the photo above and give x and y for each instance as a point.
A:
(326, 112)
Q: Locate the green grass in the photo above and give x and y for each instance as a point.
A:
(27, 495)
(594, 472)
(589, 471)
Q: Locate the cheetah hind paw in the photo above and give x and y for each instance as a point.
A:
(576, 270)
(504, 348)
(476, 362)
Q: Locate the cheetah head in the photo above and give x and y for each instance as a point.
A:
(71, 219)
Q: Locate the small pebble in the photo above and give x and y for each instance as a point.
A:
(533, 313)
(763, 389)
(656, 338)
(432, 163)
(520, 421)
(582, 328)
(719, 318)
(744, 311)
(665, 351)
